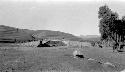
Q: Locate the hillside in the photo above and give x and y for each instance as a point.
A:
(11, 34)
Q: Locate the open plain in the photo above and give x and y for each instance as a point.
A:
(59, 59)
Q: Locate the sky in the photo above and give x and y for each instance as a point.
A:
(78, 17)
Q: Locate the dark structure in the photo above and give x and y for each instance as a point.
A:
(80, 56)
(43, 44)
(118, 46)
(115, 46)
(51, 44)
(121, 47)
(7, 41)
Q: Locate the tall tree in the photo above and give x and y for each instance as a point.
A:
(107, 25)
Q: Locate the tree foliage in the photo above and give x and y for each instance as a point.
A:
(107, 26)
(111, 27)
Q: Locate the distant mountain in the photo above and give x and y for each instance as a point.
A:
(90, 37)
(11, 34)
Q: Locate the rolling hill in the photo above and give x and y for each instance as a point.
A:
(11, 34)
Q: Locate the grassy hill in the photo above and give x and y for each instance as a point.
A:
(11, 34)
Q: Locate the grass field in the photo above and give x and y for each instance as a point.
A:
(58, 59)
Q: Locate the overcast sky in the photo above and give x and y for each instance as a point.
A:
(77, 17)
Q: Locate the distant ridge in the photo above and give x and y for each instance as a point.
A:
(11, 34)
(90, 37)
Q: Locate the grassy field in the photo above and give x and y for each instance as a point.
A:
(58, 59)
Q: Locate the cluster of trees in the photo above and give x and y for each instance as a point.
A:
(111, 27)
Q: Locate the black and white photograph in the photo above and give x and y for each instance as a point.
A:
(62, 35)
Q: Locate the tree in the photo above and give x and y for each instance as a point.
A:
(110, 27)
(107, 25)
